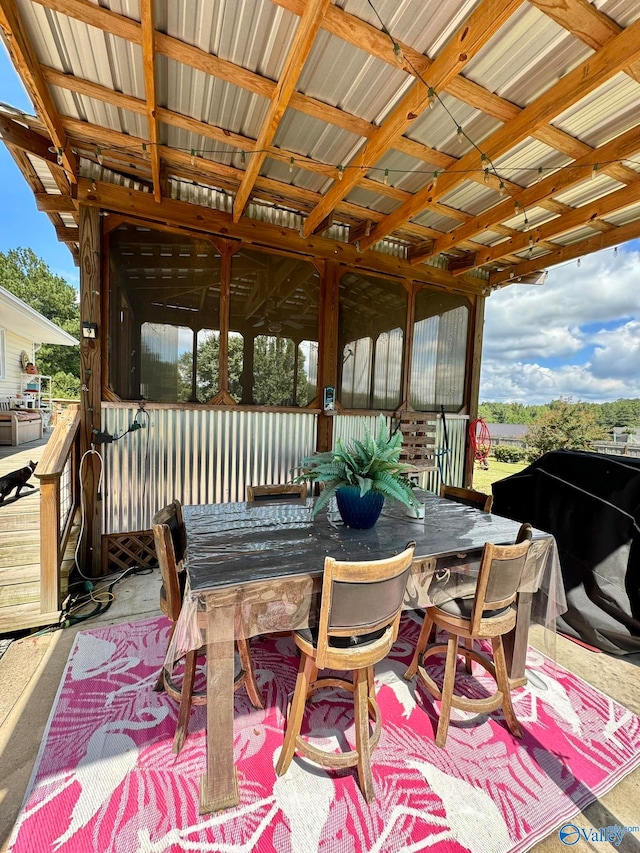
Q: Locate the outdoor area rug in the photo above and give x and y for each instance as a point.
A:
(107, 780)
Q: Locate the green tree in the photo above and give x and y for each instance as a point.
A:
(29, 278)
(564, 425)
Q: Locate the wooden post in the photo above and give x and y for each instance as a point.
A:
(90, 385)
(49, 544)
(328, 347)
(474, 359)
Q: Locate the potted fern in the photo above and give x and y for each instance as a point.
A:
(361, 475)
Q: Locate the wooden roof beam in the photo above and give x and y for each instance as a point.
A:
(586, 23)
(482, 24)
(613, 237)
(567, 91)
(24, 58)
(50, 203)
(204, 220)
(625, 145)
(15, 133)
(583, 215)
(306, 32)
(148, 62)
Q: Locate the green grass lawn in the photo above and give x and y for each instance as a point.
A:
(482, 480)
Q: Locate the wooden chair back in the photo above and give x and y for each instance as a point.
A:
(468, 497)
(361, 600)
(499, 576)
(170, 540)
(419, 440)
(283, 491)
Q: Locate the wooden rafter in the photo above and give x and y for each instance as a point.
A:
(302, 43)
(617, 54)
(484, 21)
(625, 145)
(587, 23)
(584, 215)
(24, 58)
(148, 61)
(613, 237)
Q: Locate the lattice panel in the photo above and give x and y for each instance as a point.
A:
(123, 550)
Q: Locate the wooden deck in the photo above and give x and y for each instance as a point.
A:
(20, 547)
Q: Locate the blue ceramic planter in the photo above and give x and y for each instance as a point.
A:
(357, 511)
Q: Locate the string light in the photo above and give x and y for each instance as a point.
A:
(525, 226)
(192, 158)
(397, 51)
(59, 157)
(486, 175)
(502, 189)
(432, 94)
(99, 155)
(539, 178)
(291, 162)
(243, 157)
(460, 133)
(435, 178)
(93, 186)
(144, 149)
(579, 262)
(615, 251)
(340, 172)
(385, 180)
(594, 171)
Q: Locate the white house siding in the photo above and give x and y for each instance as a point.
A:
(15, 345)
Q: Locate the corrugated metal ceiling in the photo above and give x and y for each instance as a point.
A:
(533, 50)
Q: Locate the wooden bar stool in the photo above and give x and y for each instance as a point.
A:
(489, 614)
(359, 617)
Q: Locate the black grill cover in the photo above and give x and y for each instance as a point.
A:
(590, 502)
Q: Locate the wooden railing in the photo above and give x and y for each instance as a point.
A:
(59, 495)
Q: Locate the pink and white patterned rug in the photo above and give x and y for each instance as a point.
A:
(106, 779)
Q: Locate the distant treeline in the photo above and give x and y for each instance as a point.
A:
(620, 413)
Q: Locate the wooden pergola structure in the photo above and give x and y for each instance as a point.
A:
(435, 151)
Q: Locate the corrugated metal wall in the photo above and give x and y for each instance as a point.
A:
(198, 455)
(209, 455)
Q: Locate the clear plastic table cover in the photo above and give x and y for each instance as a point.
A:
(267, 559)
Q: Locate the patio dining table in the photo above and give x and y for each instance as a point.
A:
(256, 568)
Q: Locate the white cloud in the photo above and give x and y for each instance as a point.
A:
(567, 322)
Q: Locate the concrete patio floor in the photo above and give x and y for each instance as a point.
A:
(31, 669)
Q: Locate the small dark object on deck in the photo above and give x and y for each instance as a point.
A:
(16, 480)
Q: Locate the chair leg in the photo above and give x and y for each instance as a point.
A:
(421, 645)
(468, 644)
(249, 676)
(363, 746)
(159, 685)
(447, 690)
(185, 701)
(296, 713)
(502, 678)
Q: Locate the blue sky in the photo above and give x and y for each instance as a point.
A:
(578, 336)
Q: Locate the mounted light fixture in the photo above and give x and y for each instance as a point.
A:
(89, 330)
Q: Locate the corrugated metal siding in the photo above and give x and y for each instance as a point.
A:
(209, 455)
(197, 455)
